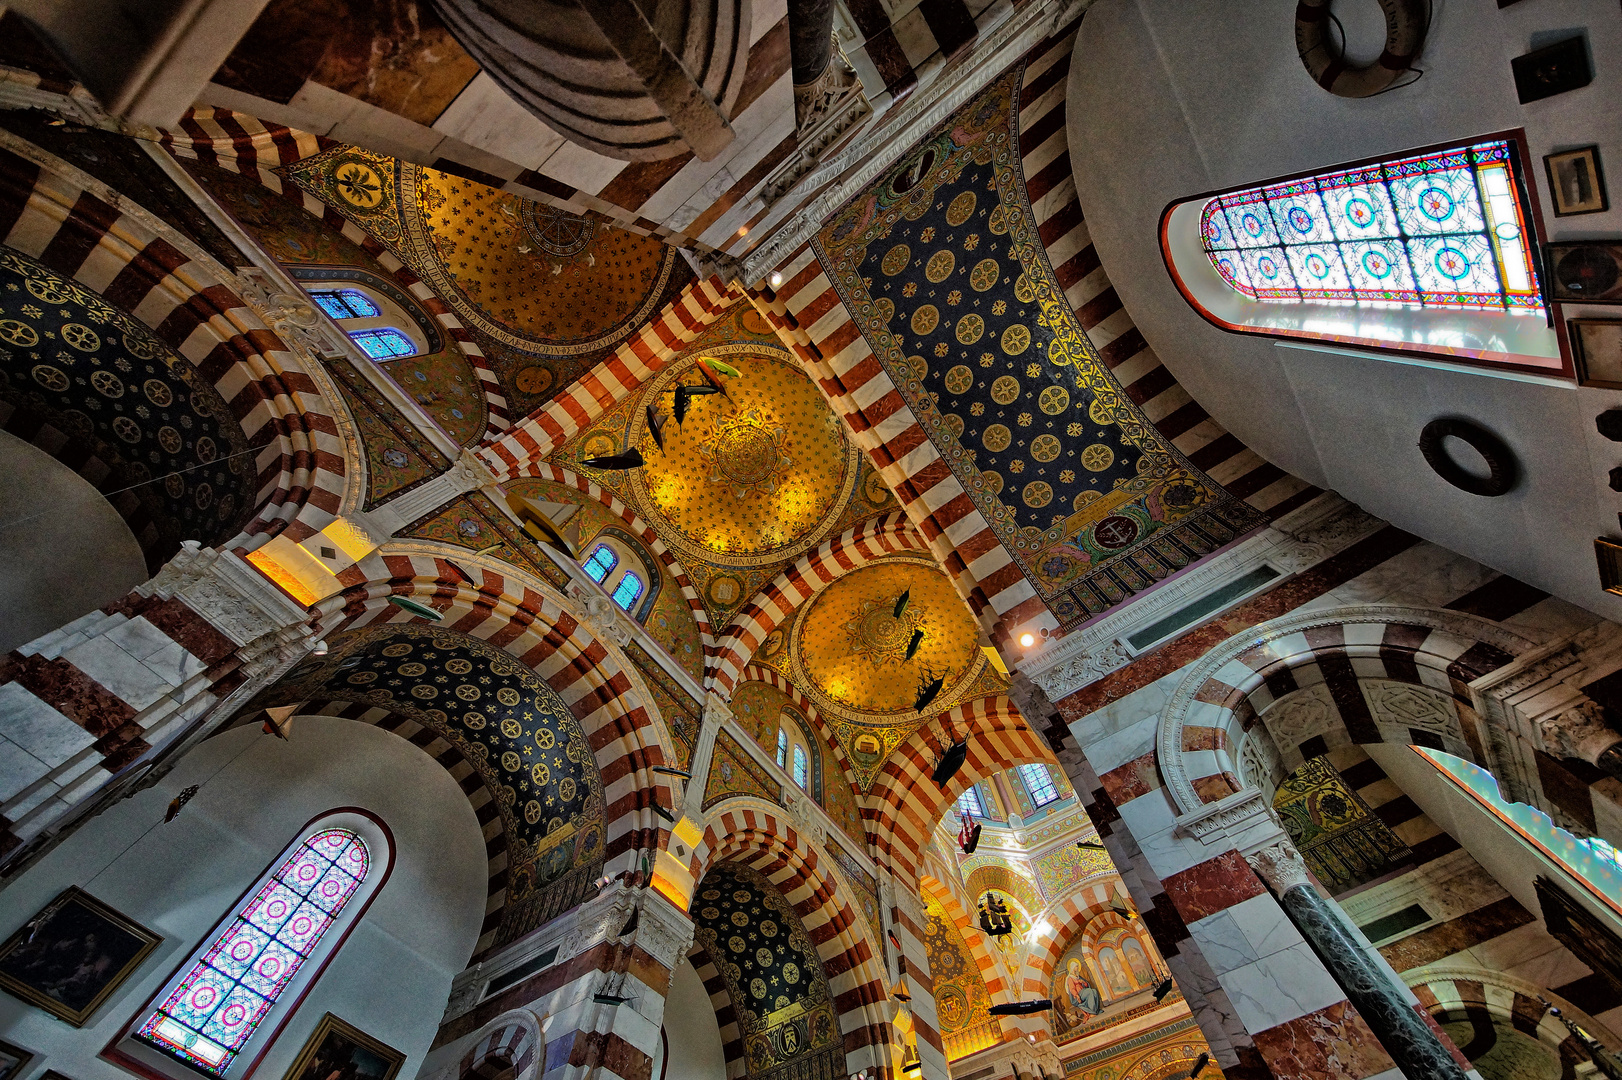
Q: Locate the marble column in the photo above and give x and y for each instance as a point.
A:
(1401, 1030)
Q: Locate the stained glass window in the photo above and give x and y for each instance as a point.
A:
(782, 748)
(1039, 782)
(627, 591)
(601, 560)
(346, 303)
(218, 1005)
(801, 768)
(384, 344)
(1446, 229)
(968, 803)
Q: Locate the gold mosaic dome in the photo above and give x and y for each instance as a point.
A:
(756, 478)
(851, 648)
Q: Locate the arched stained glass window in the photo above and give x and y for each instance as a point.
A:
(969, 803)
(1443, 229)
(346, 303)
(216, 1007)
(782, 748)
(1039, 782)
(601, 560)
(384, 344)
(627, 591)
(801, 768)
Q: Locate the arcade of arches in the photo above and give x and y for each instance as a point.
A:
(790, 577)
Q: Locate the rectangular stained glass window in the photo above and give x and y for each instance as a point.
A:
(207, 1019)
(1447, 229)
(1039, 782)
(968, 803)
(385, 344)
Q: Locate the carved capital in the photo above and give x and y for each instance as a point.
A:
(600, 614)
(1579, 732)
(1281, 866)
(663, 932)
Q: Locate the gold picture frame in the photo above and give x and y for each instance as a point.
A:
(335, 1046)
(14, 1060)
(71, 956)
(1609, 555)
(1576, 182)
(1596, 352)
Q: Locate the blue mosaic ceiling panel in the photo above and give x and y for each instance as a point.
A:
(941, 266)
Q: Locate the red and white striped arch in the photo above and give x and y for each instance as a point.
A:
(775, 678)
(904, 804)
(811, 572)
(1070, 918)
(634, 362)
(545, 470)
(756, 833)
(79, 230)
(536, 627)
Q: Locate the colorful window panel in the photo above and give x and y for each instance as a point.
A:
(600, 562)
(782, 748)
(346, 303)
(219, 1004)
(1446, 229)
(968, 803)
(1039, 782)
(385, 344)
(802, 774)
(627, 591)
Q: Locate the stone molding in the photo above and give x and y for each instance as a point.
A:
(236, 599)
(1298, 541)
(895, 131)
(1169, 737)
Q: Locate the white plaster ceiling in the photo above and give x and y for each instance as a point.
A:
(1173, 98)
(64, 550)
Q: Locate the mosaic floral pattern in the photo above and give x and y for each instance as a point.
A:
(219, 1004)
(681, 713)
(734, 772)
(961, 999)
(772, 973)
(100, 376)
(1062, 869)
(1340, 838)
(941, 265)
(398, 457)
(509, 724)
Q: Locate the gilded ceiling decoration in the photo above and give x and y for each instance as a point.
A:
(398, 456)
(773, 975)
(477, 524)
(850, 646)
(760, 709)
(749, 480)
(71, 360)
(508, 723)
(734, 772)
(961, 998)
(941, 264)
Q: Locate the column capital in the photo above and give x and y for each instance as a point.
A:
(1280, 865)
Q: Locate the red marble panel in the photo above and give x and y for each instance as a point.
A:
(1214, 788)
(1333, 1043)
(1212, 886)
(72, 693)
(1204, 738)
(1127, 782)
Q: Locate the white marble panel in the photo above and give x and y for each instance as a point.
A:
(485, 116)
(580, 168)
(121, 674)
(1223, 944)
(18, 769)
(37, 729)
(1265, 924)
(1116, 749)
(1204, 763)
(378, 129)
(1288, 984)
(140, 638)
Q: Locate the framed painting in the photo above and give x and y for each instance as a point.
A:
(1584, 271)
(1609, 554)
(1596, 349)
(13, 1060)
(70, 956)
(340, 1051)
(1575, 182)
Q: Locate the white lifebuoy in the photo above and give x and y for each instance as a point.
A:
(1405, 25)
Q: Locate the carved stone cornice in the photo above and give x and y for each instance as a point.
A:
(236, 599)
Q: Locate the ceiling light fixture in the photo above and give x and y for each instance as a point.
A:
(776, 279)
(1027, 640)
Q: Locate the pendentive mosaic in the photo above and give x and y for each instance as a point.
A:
(941, 264)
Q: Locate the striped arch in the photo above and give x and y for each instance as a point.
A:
(812, 572)
(611, 381)
(775, 678)
(992, 973)
(904, 804)
(1070, 918)
(511, 1047)
(1004, 880)
(262, 142)
(759, 834)
(79, 228)
(809, 316)
(536, 625)
(1478, 997)
(726, 1016)
(545, 470)
(1226, 691)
